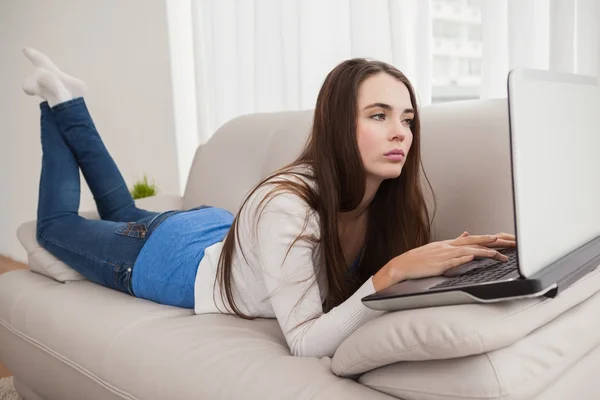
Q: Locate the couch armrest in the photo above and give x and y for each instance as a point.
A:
(41, 261)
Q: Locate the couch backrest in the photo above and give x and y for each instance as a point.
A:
(465, 151)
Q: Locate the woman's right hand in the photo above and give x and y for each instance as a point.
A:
(435, 258)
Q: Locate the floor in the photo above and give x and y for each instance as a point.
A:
(6, 265)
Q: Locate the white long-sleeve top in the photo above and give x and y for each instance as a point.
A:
(272, 283)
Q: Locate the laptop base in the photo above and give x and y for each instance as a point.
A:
(549, 283)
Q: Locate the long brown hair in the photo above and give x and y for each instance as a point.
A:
(398, 216)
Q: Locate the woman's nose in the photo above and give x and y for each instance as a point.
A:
(398, 132)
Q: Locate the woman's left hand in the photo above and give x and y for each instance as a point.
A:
(505, 240)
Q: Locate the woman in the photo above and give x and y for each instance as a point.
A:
(346, 219)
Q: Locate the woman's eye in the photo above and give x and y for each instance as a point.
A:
(407, 121)
(379, 117)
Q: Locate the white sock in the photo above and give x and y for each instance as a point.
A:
(76, 87)
(48, 86)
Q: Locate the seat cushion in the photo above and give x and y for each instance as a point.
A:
(580, 381)
(520, 371)
(138, 349)
(453, 331)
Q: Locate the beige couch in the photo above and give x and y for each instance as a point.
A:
(77, 340)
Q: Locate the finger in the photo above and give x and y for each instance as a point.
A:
(456, 262)
(475, 239)
(477, 246)
(506, 236)
(494, 246)
(503, 243)
(464, 234)
(477, 252)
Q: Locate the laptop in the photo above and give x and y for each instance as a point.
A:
(554, 129)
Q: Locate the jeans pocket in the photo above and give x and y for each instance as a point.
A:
(133, 229)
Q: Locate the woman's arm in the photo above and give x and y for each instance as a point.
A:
(290, 279)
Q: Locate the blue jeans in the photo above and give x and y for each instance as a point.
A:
(104, 251)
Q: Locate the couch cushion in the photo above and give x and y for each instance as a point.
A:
(143, 350)
(579, 381)
(520, 371)
(255, 145)
(465, 147)
(453, 331)
(40, 260)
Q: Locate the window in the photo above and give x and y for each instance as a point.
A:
(441, 66)
(456, 48)
(446, 30)
(474, 33)
(475, 67)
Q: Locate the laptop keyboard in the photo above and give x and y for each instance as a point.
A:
(487, 272)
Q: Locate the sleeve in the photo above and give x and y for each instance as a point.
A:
(291, 281)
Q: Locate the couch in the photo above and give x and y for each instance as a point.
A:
(66, 338)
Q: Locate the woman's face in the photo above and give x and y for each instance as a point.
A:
(384, 135)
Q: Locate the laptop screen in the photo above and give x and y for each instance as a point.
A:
(555, 143)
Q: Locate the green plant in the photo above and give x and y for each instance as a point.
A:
(143, 188)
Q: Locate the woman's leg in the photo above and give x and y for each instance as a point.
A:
(102, 251)
(113, 200)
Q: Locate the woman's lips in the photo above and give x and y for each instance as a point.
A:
(395, 155)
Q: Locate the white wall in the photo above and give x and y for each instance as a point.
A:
(121, 50)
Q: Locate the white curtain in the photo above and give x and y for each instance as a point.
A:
(558, 35)
(271, 55)
(233, 57)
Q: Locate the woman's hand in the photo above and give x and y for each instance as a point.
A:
(437, 257)
(505, 240)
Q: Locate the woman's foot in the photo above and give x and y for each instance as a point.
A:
(48, 86)
(76, 87)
